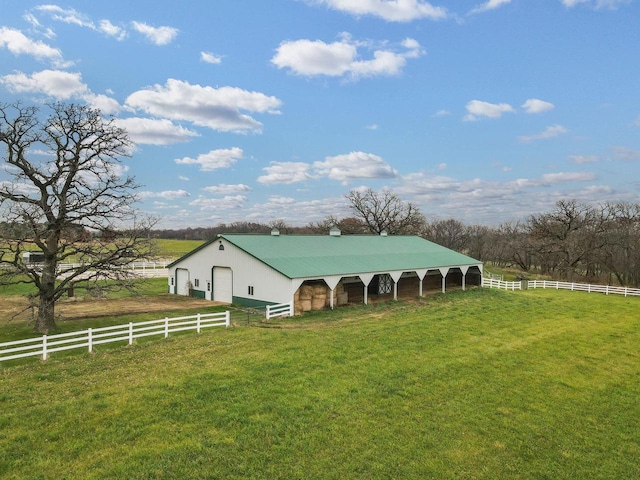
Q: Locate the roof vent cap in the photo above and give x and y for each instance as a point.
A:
(275, 232)
(383, 233)
(335, 232)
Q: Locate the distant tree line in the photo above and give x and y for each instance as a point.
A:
(573, 242)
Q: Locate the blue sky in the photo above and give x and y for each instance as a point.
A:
(249, 110)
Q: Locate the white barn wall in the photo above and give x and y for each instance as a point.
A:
(268, 285)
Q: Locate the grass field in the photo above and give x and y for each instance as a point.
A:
(473, 385)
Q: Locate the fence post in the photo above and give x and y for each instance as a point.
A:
(44, 347)
(90, 339)
(607, 289)
(291, 309)
(130, 333)
(227, 319)
(198, 324)
(166, 327)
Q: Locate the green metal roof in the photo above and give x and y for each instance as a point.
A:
(304, 256)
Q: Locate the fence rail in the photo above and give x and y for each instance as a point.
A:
(501, 284)
(47, 344)
(280, 310)
(583, 287)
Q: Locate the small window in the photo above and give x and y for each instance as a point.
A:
(221, 247)
(172, 281)
(196, 282)
(250, 290)
(208, 286)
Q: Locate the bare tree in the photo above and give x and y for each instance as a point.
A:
(66, 178)
(385, 211)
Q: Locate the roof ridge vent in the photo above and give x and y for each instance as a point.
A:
(275, 232)
(383, 233)
(335, 231)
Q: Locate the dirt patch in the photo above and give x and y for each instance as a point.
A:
(12, 308)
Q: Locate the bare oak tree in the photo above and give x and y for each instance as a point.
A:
(386, 211)
(65, 178)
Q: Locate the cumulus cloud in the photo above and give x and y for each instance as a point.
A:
(208, 57)
(214, 160)
(489, 5)
(166, 194)
(583, 159)
(60, 85)
(155, 131)
(229, 202)
(597, 4)
(564, 177)
(354, 165)
(341, 58)
(533, 105)
(390, 10)
(19, 44)
(478, 108)
(215, 108)
(549, 132)
(156, 35)
(224, 189)
(286, 173)
(73, 17)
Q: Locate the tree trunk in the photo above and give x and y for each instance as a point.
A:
(46, 320)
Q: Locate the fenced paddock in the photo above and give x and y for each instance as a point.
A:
(501, 284)
(279, 310)
(583, 287)
(89, 338)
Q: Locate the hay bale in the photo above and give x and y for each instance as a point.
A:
(318, 303)
(306, 292)
(305, 305)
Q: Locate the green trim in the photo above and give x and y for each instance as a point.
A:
(251, 302)
(198, 294)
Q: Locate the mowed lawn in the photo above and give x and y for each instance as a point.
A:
(481, 384)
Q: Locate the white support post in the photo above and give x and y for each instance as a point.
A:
(130, 333)
(44, 347)
(395, 290)
(331, 290)
(420, 286)
(198, 323)
(90, 340)
(227, 321)
(291, 309)
(444, 283)
(166, 327)
(365, 294)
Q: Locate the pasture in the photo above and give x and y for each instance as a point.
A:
(481, 384)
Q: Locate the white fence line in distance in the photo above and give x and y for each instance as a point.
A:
(279, 310)
(583, 287)
(493, 283)
(43, 346)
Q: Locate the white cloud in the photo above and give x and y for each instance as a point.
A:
(390, 10)
(19, 44)
(354, 165)
(373, 126)
(157, 35)
(627, 154)
(111, 30)
(224, 189)
(166, 195)
(582, 159)
(478, 108)
(228, 202)
(286, 173)
(209, 57)
(155, 131)
(66, 15)
(533, 105)
(564, 177)
(215, 108)
(549, 132)
(489, 5)
(60, 85)
(597, 4)
(214, 160)
(341, 58)
(441, 113)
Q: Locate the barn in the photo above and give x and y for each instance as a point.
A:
(319, 271)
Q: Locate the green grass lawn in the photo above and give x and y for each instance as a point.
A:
(481, 384)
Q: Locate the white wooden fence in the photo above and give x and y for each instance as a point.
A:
(280, 310)
(43, 346)
(583, 287)
(501, 284)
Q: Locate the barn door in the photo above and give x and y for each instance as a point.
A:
(222, 284)
(183, 283)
